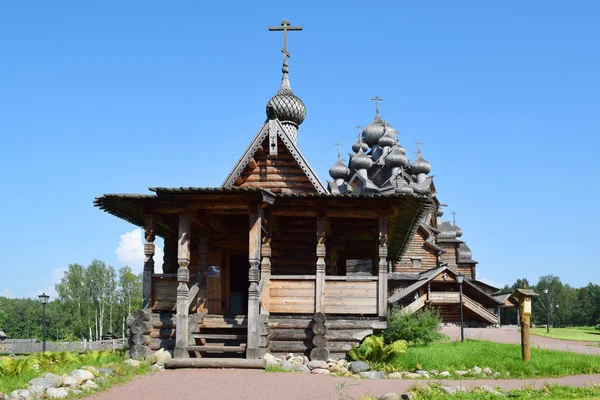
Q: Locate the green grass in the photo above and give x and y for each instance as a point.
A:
(581, 333)
(14, 376)
(548, 392)
(500, 357)
(274, 368)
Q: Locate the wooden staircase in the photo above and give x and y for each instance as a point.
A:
(218, 336)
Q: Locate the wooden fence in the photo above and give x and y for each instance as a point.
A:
(21, 347)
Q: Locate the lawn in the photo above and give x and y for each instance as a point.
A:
(500, 357)
(580, 333)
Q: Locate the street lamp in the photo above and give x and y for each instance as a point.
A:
(547, 311)
(460, 278)
(44, 300)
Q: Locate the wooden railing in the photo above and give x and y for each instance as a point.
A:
(444, 297)
(414, 306)
(477, 308)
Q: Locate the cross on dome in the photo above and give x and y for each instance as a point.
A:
(285, 27)
(418, 147)
(339, 146)
(377, 100)
(454, 217)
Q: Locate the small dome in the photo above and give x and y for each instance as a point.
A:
(285, 104)
(375, 130)
(396, 158)
(339, 170)
(359, 145)
(459, 231)
(420, 165)
(440, 211)
(387, 140)
(361, 160)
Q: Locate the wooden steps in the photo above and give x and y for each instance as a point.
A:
(217, 336)
(218, 349)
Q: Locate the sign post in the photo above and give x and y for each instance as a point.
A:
(524, 296)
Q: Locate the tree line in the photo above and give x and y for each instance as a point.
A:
(566, 305)
(92, 302)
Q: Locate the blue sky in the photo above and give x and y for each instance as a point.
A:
(118, 96)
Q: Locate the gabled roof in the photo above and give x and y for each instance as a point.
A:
(289, 144)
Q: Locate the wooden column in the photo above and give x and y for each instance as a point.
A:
(254, 244)
(265, 274)
(321, 265)
(202, 275)
(383, 267)
(149, 249)
(183, 277)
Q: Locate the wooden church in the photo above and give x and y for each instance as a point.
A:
(247, 265)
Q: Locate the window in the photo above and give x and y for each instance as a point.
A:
(416, 262)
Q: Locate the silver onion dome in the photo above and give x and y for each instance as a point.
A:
(440, 211)
(359, 145)
(459, 232)
(396, 158)
(374, 130)
(285, 104)
(387, 140)
(420, 165)
(338, 170)
(361, 160)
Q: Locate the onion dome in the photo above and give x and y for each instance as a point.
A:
(464, 252)
(374, 131)
(361, 160)
(338, 170)
(396, 158)
(420, 165)
(440, 211)
(285, 104)
(360, 145)
(387, 140)
(459, 231)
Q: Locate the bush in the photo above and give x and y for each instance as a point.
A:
(374, 351)
(419, 328)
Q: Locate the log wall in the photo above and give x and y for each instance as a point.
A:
(417, 249)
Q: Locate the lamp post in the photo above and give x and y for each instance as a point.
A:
(44, 300)
(459, 279)
(547, 311)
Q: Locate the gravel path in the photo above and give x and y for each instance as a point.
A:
(513, 335)
(207, 384)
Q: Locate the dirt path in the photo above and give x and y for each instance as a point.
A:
(207, 384)
(512, 335)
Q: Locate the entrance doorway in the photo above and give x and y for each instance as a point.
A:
(238, 284)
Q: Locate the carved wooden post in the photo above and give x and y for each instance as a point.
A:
(202, 275)
(321, 265)
(183, 277)
(252, 350)
(265, 273)
(383, 267)
(149, 227)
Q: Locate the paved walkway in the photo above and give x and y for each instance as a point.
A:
(511, 334)
(207, 384)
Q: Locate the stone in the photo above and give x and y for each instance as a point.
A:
(342, 363)
(460, 372)
(268, 356)
(388, 396)
(89, 385)
(320, 371)
(100, 380)
(395, 375)
(373, 375)
(24, 393)
(496, 375)
(160, 357)
(444, 374)
(448, 390)
(71, 382)
(487, 371)
(157, 368)
(106, 371)
(424, 374)
(317, 364)
(412, 375)
(355, 376)
(290, 355)
(54, 378)
(343, 370)
(358, 366)
(491, 390)
(297, 360)
(81, 375)
(434, 372)
(477, 370)
(76, 391)
(272, 362)
(408, 396)
(45, 382)
(93, 370)
(286, 365)
(57, 393)
(301, 368)
(335, 368)
(133, 363)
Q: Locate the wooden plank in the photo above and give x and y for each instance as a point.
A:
(351, 301)
(289, 292)
(291, 308)
(350, 310)
(293, 277)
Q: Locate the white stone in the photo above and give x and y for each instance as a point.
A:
(36, 390)
(491, 390)
(24, 393)
(448, 389)
(320, 371)
(335, 368)
(286, 365)
(460, 372)
(93, 370)
(71, 382)
(424, 374)
(157, 367)
(57, 393)
(487, 371)
(395, 375)
(82, 375)
(161, 357)
(297, 360)
(272, 362)
(268, 356)
(343, 370)
(290, 355)
(317, 364)
(90, 385)
(54, 378)
(45, 382)
(133, 363)
(477, 370)
(412, 375)
(444, 374)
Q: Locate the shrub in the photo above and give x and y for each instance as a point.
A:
(374, 350)
(419, 328)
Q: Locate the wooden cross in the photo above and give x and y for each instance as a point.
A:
(285, 27)
(358, 127)
(339, 145)
(419, 147)
(377, 100)
(397, 137)
(454, 217)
